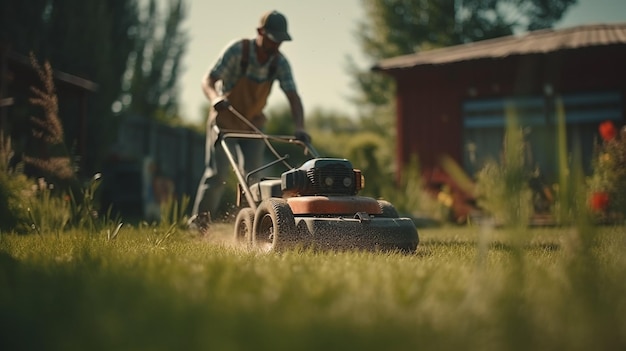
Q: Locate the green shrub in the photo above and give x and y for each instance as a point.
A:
(502, 187)
(15, 192)
(366, 152)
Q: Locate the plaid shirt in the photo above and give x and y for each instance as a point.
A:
(228, 68)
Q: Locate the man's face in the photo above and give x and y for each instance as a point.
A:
(268, 45)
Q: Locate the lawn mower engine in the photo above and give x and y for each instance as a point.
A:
(322, 176)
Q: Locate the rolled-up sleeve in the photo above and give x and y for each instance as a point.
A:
(284, 76)
(227, 67)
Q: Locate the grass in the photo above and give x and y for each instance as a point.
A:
(470, 288)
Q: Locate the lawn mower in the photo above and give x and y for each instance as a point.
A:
(312, 206)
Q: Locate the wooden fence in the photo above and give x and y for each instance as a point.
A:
(177, 152)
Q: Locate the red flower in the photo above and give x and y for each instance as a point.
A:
(607, 130)
(599, 201)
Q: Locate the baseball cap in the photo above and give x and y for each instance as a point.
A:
(275, 26)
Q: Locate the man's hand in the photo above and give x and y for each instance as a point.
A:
(303, 136)
(221, 104)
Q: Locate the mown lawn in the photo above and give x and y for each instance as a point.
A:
(470, 288)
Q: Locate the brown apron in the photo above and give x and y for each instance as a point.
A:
(247, 97)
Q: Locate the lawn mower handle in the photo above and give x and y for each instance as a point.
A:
(305, 143)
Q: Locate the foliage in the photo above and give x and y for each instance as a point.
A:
(153, 68)
(496, 197)
(173, 212)
(409, 196)
(364, 150)
(48, 154)
(37, 207)
(48, 212)
(502, 187)
(13, 201)
(609, 172)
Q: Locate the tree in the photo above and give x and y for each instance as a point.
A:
(153, 68)
(399, 27)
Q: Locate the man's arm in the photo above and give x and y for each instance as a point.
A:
(219, 103)
(297, 111)
(226, 64)
(208, 87)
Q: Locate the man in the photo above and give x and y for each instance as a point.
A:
(241, 79)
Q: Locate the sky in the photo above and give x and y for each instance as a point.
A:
(323, 33)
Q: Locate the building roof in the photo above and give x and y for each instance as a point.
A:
(536, 42)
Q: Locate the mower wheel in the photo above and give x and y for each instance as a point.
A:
(244, 226)
(389, 211)
(274, 226)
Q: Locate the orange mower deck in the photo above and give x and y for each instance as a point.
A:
(333, 205)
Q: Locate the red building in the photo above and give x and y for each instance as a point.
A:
(453, 101)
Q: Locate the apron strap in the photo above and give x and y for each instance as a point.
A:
(245, 57)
